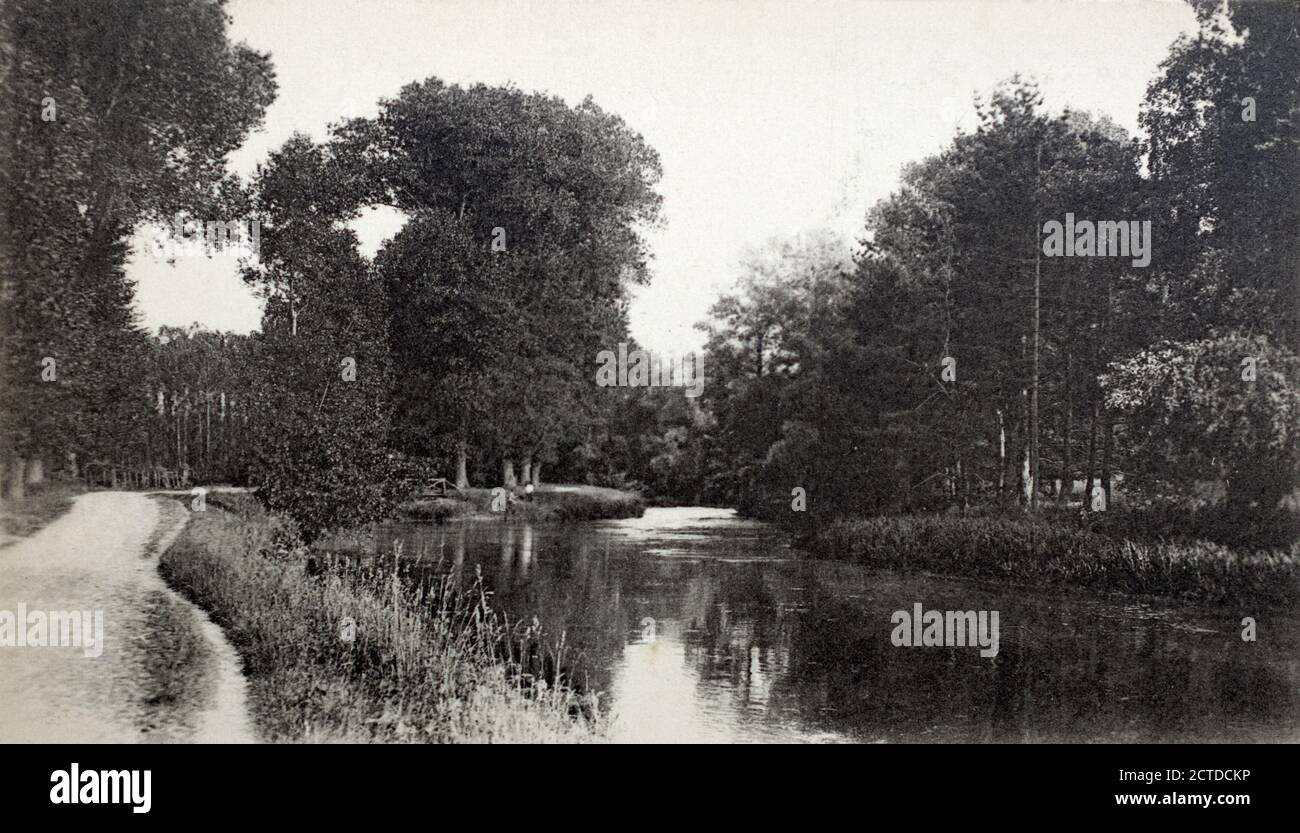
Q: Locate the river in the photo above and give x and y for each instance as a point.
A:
(699, 626)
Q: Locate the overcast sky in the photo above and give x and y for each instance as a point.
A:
(770, 118)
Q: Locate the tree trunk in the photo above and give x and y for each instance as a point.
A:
(222, 442)
(1027, 485)
(1092, 457)
(36, 470)
(1067, 464)
(207, 430)
(462, 474)
(1025, 478)
(18, 479)
(1102, 415)
(508, 473)
(176, 418)
(1002, 456)
(1105, 457)
(1034, 453)
(72, 463)
(537, 473)
(528, 467)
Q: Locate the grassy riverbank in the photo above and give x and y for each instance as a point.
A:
(425, 664)
(549, 503)
(1050, 552)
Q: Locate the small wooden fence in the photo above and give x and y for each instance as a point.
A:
(114, 476)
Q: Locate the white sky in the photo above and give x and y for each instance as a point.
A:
(770, 117)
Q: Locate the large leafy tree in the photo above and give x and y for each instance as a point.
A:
(954, 256)
(114, 113)
(320, 439)
(1223, 118)
(908, 383)
(562, 193)
(1224, 156)
(450, 318)
(767, 364)
(1224, 409)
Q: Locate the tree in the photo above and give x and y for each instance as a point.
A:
(197, 388)
(321, 401)
(114, 113)
(561, 193)
(1224, 154)
(954, 258)
(450, 313)
(1221, 409)
(767, 364)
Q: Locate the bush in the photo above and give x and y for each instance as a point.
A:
(1190, 416)
(548, 504)
(434, 509)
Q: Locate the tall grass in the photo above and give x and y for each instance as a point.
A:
(1032, 552)
(430, 663)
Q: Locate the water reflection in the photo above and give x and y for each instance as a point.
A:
(748, 642)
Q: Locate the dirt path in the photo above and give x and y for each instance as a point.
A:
(165, 673)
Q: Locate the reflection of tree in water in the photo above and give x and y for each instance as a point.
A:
(727, 618)
(806, 645)
(738, 632)
(574, 597)
(527, 574)
(1059, 674)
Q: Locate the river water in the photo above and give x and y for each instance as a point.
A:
(699, 626)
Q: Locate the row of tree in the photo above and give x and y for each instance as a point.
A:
(464, 347)
(950, 363)
(115, 113)
(470, 335)
(946, 362)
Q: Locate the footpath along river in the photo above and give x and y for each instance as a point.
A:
(148, 667)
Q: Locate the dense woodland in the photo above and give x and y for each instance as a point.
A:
(827, 363)
(467, 347)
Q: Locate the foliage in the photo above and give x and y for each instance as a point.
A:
(323, 374)
(1137, 369)
(114, 113)
(1190, 415)
(554, 200)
